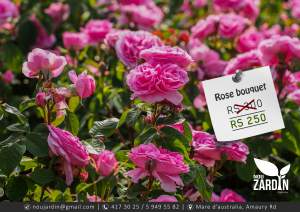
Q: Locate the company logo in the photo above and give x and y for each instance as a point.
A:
(275, 180)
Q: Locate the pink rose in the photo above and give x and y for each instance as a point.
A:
(162, 164)
(228, 4)
(243, 61)
(136, 2)
(205, 27)
(106, 163)
(58, 11)
(8, 10)
(93, 198)
(200, 101)
(166, 54)
(113, 36)
(43, 40)
(295, 7)
(295, 96)
(250, 9)
(142, 15)
(62, 143)
(164, 198)
(155, 83)
(85, 85)
(39, 60)
(278, 48)
(236, 151)
(214, 68)
(228, 195)
(292, 30)
(40, 98)
(8, 77)
(74, 40)
(231, 25)
(96, 30)
(206, 152)
(270, 32)
(130, 44)
(59, 95)
(248, 40)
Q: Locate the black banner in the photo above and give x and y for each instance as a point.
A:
(250, 206)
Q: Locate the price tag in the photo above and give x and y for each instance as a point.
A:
(243, 109)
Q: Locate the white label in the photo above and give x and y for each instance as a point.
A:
(243, 109)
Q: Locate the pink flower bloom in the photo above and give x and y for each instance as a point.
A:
(113, 36)
(214, 68)
(228, 4)
(166, 54)
(295, 96)
(93, 198)
(58, 11)
(295, 7)
(250, 9)
(243, 61)
(8, 77)
(85, 85)
(40, 98)
(292, 30)
(44, 39)
(162, 164)
(96, 30)
(248, 40)
(130, 44)
(39, 60)
(278, 48)
(206, 152)
(142, 15)
(228, 195)
(200, 101)
(155, 83)
(136, 2)
(231, 25)
(205, 27)
(59, 95)
(62, 143)
(236, 151)
(270, 32)
(164, 198)
(74, 40)
(106, 163)
(8, 10)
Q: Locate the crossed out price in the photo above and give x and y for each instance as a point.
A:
(247, 114)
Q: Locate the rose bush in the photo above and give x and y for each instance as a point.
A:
(102, 101)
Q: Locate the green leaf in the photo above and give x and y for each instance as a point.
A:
(27, 33)
(104, 128)
(43, 176)
(10, 157)
(14, 111)
(16, 188)
(245, 171)
(172, 133)
(17, 127)
(174, 6)
(146, 136)
(36, 144)
(123, 118)
(73, 123)
(93, 146)
(201, 184)
(133, 116)
(25, 105)
(11, 56)
(73, 103)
